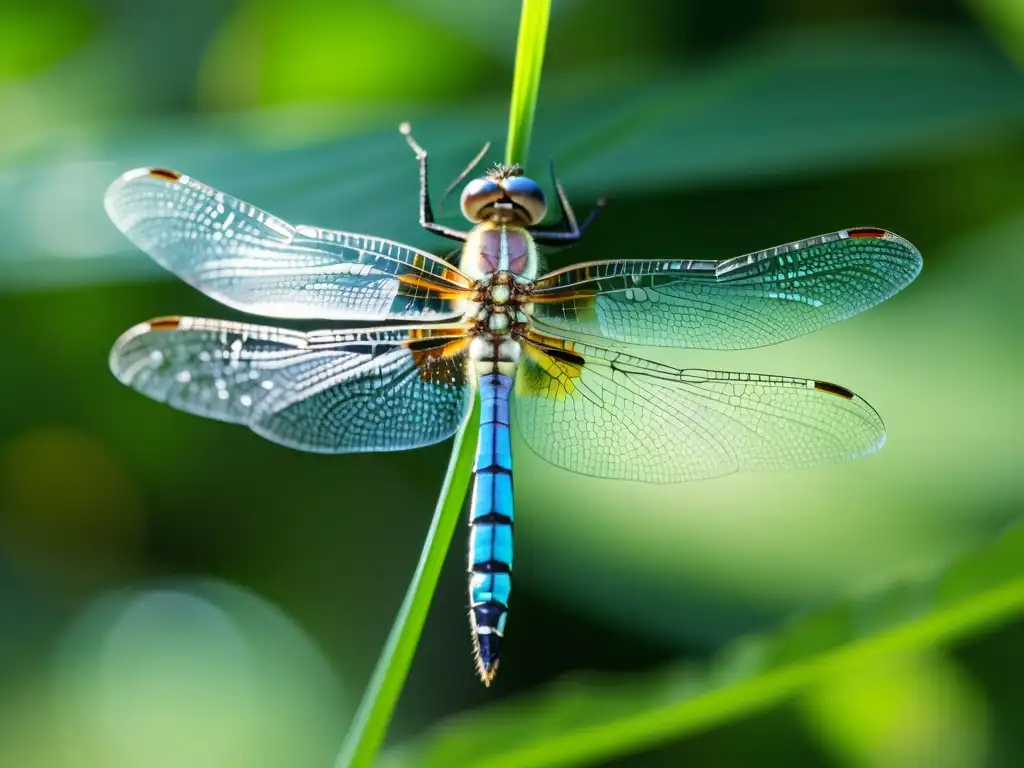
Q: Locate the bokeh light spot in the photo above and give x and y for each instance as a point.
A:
(199, 674)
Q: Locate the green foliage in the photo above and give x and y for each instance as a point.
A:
(33, 36)
(285, 51)
(901, 711)
(586, 720)
(713, 135)
(861, 100)
(1005, 18)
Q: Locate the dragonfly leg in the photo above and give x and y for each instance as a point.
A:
(565, 230)
(426, 211)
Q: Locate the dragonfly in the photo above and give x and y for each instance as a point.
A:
(555, 354)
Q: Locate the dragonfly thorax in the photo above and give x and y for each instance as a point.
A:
(496, 247)
(503, 259)
(498, 307)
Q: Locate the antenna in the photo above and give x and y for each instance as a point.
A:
(462, 176)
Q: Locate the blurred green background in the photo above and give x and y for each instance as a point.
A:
(179, 592)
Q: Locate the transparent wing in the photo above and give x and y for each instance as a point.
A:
(607, 414)
(249, 260)
(748, 301)
(383, 389)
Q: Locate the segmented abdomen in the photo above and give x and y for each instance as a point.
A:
(490, 519)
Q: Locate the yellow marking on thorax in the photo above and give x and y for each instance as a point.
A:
(424, 359)
(554, 342)
(439, 290)
(448, 274)
(556, 296)
(556, 365)
(436, 331)
(578, 305)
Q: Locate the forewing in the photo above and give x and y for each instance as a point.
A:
(327, 391)
(607, 414)
(252, 261)
(748, 301)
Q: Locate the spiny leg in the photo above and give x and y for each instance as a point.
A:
(565, 231)
(426, 212)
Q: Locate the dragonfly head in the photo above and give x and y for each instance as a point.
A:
(504, 195)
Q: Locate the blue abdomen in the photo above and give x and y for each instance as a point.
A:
(490, 520)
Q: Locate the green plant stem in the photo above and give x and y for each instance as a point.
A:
(378, 705)
(533, 35)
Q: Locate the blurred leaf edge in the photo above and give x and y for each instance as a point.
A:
(586, 718)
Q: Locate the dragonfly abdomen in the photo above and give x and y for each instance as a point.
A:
(490, 519)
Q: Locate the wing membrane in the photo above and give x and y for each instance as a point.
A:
(326, 391)
(608, 414)
(748, 301)
(250, 260)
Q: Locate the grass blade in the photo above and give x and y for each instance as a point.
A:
(378, 704)
(533, 34)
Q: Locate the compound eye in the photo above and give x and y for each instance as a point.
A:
(477, 195)
(527, 194)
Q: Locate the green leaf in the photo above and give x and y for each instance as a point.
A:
(584, 720)
(1005, 20)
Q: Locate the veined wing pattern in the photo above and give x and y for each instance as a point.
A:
(255, 262)
(580, 403)
(601, 412)
(748, 301)
(379, 389)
